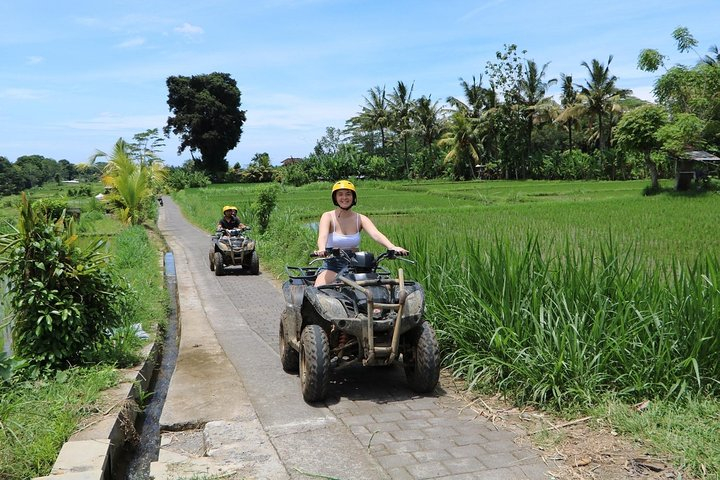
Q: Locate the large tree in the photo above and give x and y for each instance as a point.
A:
(206, 116)
(637, 131)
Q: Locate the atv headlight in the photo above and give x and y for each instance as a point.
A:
(414, 303)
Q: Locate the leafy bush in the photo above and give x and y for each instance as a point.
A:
(52, 208)
(65, 298)
(264, 205)
(182, 178)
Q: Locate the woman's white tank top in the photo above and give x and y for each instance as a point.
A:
(345, 242)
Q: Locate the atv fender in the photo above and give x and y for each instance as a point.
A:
(328, 307)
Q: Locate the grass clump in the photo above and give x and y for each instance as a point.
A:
(38, 416)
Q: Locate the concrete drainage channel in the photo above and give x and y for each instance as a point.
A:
(122, 446)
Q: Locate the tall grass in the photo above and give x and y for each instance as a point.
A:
(563, 327)
(37, 417)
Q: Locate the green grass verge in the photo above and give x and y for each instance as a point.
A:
(37, 417)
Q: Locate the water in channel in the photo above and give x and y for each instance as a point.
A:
(136, 465)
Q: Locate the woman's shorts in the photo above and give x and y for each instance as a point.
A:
(334, 264)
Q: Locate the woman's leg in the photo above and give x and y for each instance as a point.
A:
(325, 277)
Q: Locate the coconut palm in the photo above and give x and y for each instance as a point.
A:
(534, 104)
(462, 139)
(427, 119)
(599, 94)
(477, 98)
(568, 101)
(401, 105)
(376, 113)
(131, 184)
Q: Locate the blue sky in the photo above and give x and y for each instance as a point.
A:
(78, 75)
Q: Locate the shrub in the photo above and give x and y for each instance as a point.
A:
(51, 208)
(65, 299)
(264, 205)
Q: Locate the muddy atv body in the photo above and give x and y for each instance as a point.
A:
(367, 315)
(233, 248)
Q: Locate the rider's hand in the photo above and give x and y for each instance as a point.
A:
(319, 253)
(400, 251)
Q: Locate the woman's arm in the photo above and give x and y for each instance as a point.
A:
(377, 235)
(323, 230)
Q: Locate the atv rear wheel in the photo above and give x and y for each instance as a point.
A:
(219, 270)
(314, 363)
(289, 357)
(212, 260)
(422, 369)
(254, 263)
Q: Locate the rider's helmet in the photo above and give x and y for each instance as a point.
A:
(229, 207)
(344, 185)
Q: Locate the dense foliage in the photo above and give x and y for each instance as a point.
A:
(206, 116)
(65, 297)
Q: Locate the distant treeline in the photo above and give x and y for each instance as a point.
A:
(35, 170)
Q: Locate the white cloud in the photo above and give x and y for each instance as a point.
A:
(22, 94)
(133, 42)
(189, 30)
(34, 60)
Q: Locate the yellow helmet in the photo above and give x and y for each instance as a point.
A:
(344, 185)
(228, 207)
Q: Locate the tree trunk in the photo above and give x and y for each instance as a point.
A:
(652, 168)
(683, 175)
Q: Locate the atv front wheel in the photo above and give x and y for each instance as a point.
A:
(422, 369)
(314, 363)
(218, 264)
(212, 260)
(289, 358)
(254, 263)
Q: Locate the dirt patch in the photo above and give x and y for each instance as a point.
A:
(581, 448)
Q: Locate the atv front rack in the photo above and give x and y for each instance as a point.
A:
(380, 355)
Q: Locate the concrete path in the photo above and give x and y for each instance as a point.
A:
(231, 410)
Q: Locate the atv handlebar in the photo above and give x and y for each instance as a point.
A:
(347, 254)
(232, 232)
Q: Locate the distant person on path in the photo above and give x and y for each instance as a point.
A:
(340, 228)
(229, 219)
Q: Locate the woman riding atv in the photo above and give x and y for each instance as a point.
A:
(340, 228)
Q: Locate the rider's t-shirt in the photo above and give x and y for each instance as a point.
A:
(234, 222)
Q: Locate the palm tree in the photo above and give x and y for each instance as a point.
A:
(131, 184)
(428, 122)
(462, 139)
(401, 105)
(713, 59)
(376, 113)
(568, 102)
(477, 98)
(533, 102)
(599, 94)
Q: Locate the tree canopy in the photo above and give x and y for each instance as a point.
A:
(206, 116)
